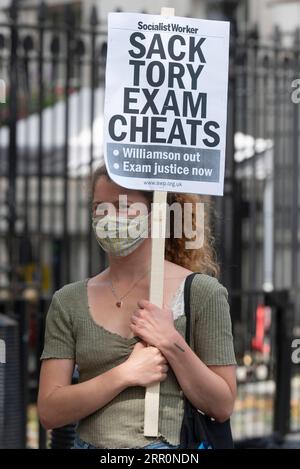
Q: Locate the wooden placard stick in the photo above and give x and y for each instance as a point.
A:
(158, 224)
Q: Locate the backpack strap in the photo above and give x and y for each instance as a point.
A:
(187, 305)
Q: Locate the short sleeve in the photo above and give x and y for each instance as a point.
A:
(59, 340)
(213, 329)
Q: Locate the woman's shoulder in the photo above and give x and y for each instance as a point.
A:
(207, 282)
(202, 284)
(205, 287)
(71, 295)
(174, 270)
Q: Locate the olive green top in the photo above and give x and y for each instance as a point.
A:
(72, 333)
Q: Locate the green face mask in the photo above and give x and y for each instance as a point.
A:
(120, 236)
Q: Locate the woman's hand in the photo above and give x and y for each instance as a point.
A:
(145, 366)
(152, 324)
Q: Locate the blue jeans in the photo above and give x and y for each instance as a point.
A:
(80, 444)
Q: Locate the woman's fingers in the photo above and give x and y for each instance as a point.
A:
(137, 314)
(163, 360)
(144, 303)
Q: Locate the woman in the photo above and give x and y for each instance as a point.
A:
(122, 343)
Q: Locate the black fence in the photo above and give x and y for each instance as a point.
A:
(50, 141)
(258, 230)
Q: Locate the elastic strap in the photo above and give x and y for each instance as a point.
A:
(187, 311)
(187, 305)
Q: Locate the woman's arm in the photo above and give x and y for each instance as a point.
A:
(210, 389)
(61, 403)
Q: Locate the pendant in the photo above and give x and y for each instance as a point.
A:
(119, 304)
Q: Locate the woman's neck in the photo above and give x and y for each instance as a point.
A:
(133, 266)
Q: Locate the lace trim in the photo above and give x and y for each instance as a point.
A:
(177, 304)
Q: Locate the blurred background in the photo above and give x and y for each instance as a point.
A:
(52, 70)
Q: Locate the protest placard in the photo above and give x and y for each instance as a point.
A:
(166, 102)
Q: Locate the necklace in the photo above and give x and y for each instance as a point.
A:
(119, 302)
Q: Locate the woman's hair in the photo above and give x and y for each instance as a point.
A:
(198, 260)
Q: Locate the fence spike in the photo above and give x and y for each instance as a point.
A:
(42, 11)
(55, 45)
(253, 33)
(94, 20)
(277, 35)
(69, 16)
(13, 9)
(2, 41)
(297, 37)
(28, 43)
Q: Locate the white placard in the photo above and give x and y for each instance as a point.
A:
(166, 103)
